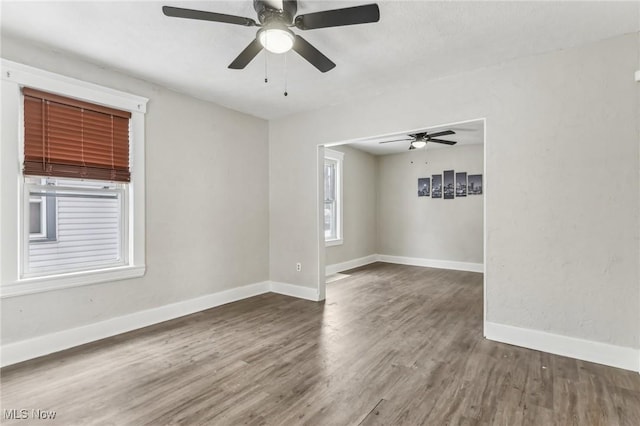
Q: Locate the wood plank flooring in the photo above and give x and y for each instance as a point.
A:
(392, 345)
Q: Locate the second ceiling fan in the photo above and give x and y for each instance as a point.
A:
(419, 140)
(275, 23)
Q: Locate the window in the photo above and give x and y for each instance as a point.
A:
(333, 197)
(81, 182)
(89, 222)
(84, 149)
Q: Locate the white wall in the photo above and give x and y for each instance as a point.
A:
(425, 227)
(562, 189)
(359, 207)
(206, 203)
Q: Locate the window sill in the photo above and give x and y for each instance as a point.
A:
(75, 279)
(336, 242)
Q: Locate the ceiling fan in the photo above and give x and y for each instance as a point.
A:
(274, 22)
(419, 140)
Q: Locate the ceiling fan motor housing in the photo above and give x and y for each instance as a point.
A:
(421, 136)
(267, 13)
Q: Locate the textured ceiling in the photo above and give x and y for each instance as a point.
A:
(414, 39)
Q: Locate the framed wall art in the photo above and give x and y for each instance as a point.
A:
(448, 186)
(461, 184)
(424, 185)
(436, 186)
(474, 185)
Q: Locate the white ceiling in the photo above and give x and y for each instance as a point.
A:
(414, 39)
(467, 133)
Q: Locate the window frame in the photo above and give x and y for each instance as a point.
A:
(13, 281)
(338, 158)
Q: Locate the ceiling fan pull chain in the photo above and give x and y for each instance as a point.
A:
(266, 80)
(285, 75)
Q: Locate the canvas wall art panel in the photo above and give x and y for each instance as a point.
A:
(448, 186)
(461, 184)
(424, 185)
(474, 184)
(436, 186)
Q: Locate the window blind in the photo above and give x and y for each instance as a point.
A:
(64, 137)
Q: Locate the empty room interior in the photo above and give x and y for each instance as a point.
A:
(312, 212)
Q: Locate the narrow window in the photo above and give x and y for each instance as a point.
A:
(333, 197)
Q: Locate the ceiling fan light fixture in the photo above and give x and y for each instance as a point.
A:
(276, 38)
(418, 143)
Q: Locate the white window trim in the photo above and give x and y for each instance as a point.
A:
(14, 77)
(339, 158)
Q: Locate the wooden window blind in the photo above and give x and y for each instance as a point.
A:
(65, 137)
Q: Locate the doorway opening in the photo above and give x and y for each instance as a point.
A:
(396, 199)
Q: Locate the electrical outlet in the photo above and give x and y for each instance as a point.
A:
(298, 266)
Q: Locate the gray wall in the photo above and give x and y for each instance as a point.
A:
(359, 212)
(424, 227)
(562, 189)
(207, 206)
(384, 215)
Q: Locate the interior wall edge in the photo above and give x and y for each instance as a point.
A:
(294, 290)
(403, 260)
(432, 263)
(350, 264)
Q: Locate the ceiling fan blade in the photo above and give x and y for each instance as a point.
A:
(246, 55)
(178, 12)
(436, 134)
(443, 141)
(312, 55)
(397, 140)
(338, 17)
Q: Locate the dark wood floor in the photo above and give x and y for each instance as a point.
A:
(391, 345)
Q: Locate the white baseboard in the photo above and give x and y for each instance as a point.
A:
(43, 345)
(350, 264)
(432, 263)
(23, 350)
(586, 350)
(402, 260)
(294, 290)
